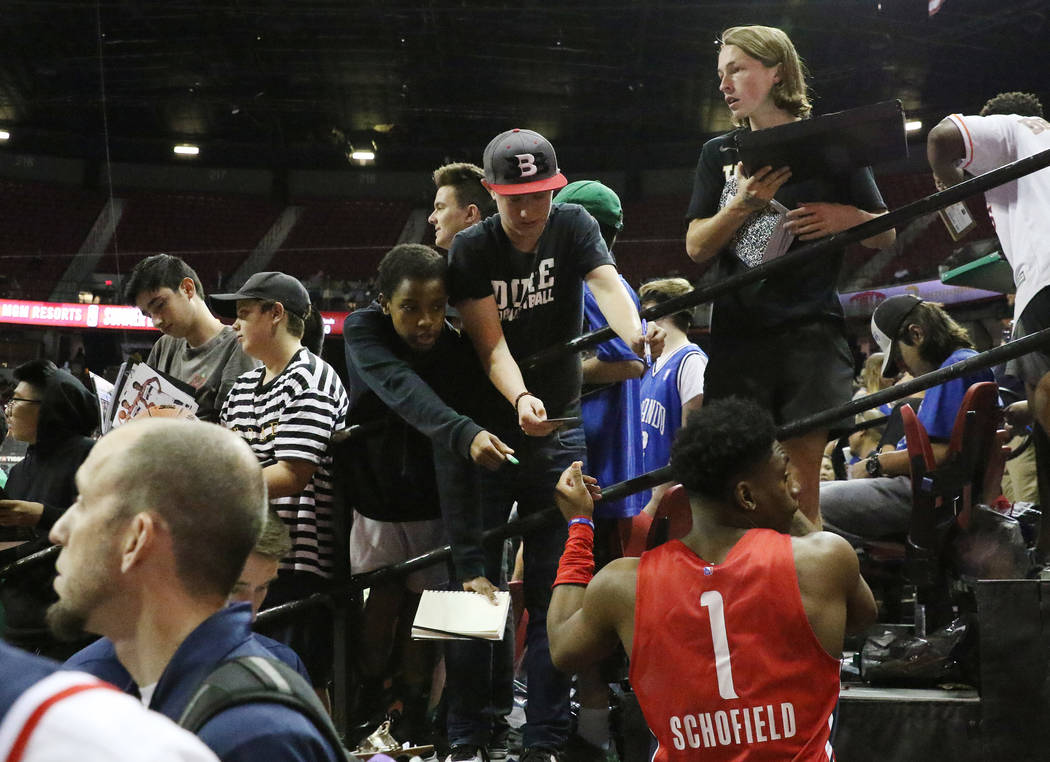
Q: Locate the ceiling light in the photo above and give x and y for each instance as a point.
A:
(186, 149)
(5, 135)
(912, 125)
(363, 156)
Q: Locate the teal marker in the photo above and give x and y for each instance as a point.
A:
(511, 459)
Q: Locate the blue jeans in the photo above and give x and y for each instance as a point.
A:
(480, 674)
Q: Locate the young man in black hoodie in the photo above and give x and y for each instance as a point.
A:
(416, 381)
(55, 415)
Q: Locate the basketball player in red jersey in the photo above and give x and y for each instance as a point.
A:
(734, 631)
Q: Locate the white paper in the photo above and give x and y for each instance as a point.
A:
(460, 615)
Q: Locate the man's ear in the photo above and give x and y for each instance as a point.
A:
(139, 538)
(744, 497)
(916, 334)
(384, 303)
(187, 287)
(473, 213)
(277, 312)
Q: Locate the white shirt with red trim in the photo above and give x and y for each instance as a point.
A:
(72, 716)
(1019, 208)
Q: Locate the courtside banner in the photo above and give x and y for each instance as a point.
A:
(104, 316)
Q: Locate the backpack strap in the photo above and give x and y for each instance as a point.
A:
(254, 679)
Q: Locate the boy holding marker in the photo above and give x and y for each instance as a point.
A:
(517, 280)
(410, 374)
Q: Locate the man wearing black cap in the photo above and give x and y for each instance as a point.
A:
(516, 280)
(919, 337)
(287, 411)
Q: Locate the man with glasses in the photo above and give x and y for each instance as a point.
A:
(55, 415)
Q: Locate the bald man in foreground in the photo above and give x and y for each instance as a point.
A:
(149, 557)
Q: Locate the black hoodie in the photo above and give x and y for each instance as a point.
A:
(68, 416)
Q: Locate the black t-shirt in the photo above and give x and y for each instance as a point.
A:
(539, 295)
(806, 292)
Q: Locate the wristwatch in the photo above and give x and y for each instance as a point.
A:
(873, 466)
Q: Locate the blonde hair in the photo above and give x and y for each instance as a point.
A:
(871, 374)
(773, 47)
(665, 289)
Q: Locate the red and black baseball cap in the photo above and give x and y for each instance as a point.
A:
(521, 161)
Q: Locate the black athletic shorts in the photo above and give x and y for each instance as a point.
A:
(792, 373)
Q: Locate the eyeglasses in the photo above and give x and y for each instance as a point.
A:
(11, 402)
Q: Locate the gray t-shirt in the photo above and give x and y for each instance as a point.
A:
(210, 368)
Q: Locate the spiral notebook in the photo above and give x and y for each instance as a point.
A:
(460, 615)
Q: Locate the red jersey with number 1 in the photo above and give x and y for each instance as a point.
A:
(724, 662)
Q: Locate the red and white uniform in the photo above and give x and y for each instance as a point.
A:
(1018, 208)
(724, 662)
(73, 717)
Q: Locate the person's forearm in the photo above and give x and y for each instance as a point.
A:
(616, 306)
(597, 371)
(880, 240)
(284, 480)
(566, 600)
(706, 237)
(503, 372)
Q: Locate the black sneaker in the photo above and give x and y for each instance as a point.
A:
(466, 753)
(538, 754)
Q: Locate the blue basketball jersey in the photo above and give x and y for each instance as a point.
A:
(611, 421)
(662, 408)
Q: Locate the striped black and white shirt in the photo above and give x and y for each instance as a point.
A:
(292, 418)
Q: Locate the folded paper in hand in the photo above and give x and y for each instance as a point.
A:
(460, 615)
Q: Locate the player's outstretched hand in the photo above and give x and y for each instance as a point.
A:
(576, 492)
(487, 450)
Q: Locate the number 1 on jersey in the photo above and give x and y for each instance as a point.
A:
(712, 601)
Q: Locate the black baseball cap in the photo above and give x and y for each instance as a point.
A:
(269, 286)
(521, 161)
(886, 325)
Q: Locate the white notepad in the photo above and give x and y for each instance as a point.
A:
(460, 615)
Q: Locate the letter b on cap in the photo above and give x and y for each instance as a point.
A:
(526, 164)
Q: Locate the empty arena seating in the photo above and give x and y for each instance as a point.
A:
(343, 239)
(212, 233)
(44, 227)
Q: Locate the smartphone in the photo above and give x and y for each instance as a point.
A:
(568, 423)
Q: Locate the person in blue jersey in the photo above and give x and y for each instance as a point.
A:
(148, 562)
(674, 386)
(919, 337)
(612, 374)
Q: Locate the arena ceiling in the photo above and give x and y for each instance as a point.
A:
(621, 84)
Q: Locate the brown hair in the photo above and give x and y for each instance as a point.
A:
(773, 47)
(465, 180)
(207, 486)
(274, 542)
(942, 334)
(665, 289)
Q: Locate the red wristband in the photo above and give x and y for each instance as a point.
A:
(577, 562)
